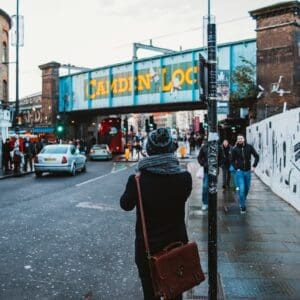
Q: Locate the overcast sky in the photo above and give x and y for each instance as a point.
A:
(95, 33)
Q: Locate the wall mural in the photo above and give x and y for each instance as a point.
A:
(277, 140)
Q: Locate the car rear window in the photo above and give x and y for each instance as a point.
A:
(55, 150)
(99, 147)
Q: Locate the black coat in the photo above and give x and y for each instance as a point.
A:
(6, 148)
(164, 198)
(203, 155)
(28, 147)
(226, 156)
(241, 157)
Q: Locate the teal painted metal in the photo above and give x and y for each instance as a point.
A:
(110, 92)
(89, 98)
(157, 80)
(194, 77)
(231, 65)
(133, 84)
(161, 100)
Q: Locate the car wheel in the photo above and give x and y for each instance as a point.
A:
(38, 174)
(73, 170)
(83, 168)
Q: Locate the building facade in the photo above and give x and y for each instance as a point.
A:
(278, 57)
(5, 25)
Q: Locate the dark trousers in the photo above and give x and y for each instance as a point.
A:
(226, 176)
(146, 281)
(27, 158)
(7, 164)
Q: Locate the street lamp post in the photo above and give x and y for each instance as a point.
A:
(212, 158)
(17, 69)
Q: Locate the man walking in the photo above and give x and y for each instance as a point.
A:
(28, 153)
(241, 160)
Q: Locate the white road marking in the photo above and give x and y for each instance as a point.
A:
(97, 178)
(102, 207)
(91, 180)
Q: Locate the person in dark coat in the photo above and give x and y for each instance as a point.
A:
(29, 153)
(7, 160)
(226, 156)
(203, 161)
(241, 161)
(165, 188)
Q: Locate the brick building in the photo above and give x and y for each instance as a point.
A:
(5, 25)
(50, 78)
(278, 57)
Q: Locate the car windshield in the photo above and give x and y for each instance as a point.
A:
(55, 150)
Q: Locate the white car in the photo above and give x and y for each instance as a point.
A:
(59, 158)
(100, 152)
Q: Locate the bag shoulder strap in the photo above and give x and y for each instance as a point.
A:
(137, 178)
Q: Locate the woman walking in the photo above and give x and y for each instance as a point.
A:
(165, 187)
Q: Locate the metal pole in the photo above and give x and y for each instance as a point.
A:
(17, 67)
(212, 160)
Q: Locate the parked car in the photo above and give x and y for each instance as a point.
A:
(100, 152)
(59, 158)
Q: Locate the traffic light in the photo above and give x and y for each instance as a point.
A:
(201, 128)
(152, 125)
(205, 119)
(151, 121)
(147, 127)
(125, 125)
(60, 129)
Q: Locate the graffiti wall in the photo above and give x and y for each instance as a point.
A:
(277, 139)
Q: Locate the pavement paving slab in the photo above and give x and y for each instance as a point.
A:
(258, 252)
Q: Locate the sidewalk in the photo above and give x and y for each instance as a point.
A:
(258, 252)
(11, 174)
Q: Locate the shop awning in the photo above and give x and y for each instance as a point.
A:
(43, 130)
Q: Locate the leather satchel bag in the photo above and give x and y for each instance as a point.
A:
(176, 268)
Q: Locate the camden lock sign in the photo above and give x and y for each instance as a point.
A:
(164, 79)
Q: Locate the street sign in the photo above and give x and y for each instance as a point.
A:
(222, 108)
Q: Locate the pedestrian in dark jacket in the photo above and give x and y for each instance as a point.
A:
(241, 160)
(226, 157)
(29, 153)
(203, 161)
(165, 188)
(7, 160)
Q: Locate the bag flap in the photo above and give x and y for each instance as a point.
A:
(178, 261)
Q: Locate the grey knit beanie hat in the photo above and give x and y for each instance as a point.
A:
(159, 142)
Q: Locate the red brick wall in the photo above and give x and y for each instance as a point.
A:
(50, 78)
(4, 32)
(278, 55)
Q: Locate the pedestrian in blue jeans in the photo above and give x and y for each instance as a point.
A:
(241, 160)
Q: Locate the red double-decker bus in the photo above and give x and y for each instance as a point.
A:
(110, 133)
